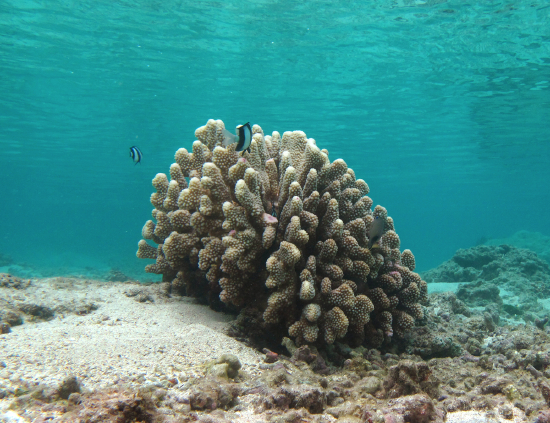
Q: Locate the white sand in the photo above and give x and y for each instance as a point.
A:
(480, 417)
(123, 340)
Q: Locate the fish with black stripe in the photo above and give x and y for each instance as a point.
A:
(135, 154)
(243, 137)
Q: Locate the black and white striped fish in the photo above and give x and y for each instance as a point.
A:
(243, 138)
(135, 154)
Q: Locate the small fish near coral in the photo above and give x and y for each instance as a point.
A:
(376, 231)
(243, 137)
(135, 154)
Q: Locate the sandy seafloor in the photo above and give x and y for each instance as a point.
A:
(127, 337)
(133, 338)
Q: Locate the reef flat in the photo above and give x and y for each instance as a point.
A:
(90, 351)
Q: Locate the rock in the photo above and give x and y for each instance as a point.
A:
(494, 386)
(479, 294)
(543, 417)
(369, 385)
(140, 295)
(111, 407)
(10, 281)
(409, 377)
(219, 370)
(69, 386)
(414, 408)
(347, 408)
(270, 356)
(305, 354)
(227, 366)
(75, 398)
(11, 317)
(210, 395)
(39, 311)
(311, 398)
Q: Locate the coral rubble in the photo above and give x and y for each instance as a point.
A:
(284, 231)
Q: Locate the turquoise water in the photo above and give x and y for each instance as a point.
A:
(442, 107)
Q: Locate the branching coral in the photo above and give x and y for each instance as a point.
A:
(284, 230)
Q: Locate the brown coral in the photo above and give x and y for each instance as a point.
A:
(284, 230)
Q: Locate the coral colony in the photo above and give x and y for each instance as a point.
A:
(285, 231)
